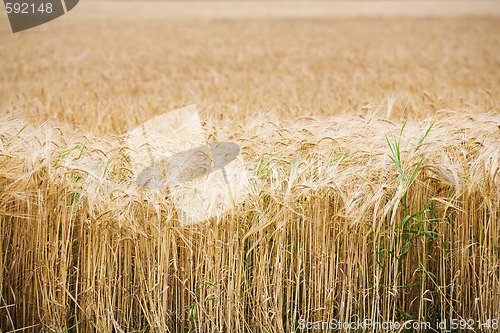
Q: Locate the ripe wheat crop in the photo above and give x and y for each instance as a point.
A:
(374, 147)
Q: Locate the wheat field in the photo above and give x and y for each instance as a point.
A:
(374, 147)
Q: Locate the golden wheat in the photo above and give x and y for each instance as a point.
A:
(375, 149)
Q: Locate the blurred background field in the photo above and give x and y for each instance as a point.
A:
(236, 68)
(357, 213)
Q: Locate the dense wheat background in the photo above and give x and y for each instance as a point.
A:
(375, 144)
